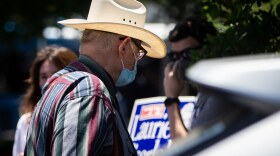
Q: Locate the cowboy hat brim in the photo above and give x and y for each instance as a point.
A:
(150, 42)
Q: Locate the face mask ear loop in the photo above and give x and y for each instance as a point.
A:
(136, 60)
(122, 63)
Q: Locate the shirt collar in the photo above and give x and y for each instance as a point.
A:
(99, 71)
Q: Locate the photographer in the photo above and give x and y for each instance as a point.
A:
(187, 35)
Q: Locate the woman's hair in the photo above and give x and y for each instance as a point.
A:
(60, 57)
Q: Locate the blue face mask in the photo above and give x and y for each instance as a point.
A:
(127, 76)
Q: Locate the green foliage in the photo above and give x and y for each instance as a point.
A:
(245, 27)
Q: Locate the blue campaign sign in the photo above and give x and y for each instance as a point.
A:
(149, 125)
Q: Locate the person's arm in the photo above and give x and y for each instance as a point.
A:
(18, 147)
(20, 135)
(177, 127)
(82, 126)
(172, 88)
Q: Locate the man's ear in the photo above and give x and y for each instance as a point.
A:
(124, 45)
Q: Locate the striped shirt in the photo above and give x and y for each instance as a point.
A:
(75, 115)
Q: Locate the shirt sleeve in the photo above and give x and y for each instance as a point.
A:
(81, 126)
(20, 135)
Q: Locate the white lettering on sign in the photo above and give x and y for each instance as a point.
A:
(149, 125)
(154, 111)
(150, 130)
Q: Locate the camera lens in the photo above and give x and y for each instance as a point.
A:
(182, 66)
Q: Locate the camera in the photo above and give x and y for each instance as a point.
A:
(181, 69)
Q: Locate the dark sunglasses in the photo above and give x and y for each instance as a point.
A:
(141, 52)
(185, 54)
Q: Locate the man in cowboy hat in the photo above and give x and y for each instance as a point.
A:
(78, 113)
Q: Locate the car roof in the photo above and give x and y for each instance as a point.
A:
(254, 79)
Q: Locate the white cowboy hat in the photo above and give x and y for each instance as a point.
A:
(125, 17)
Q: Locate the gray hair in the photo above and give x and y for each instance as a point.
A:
(105, 40)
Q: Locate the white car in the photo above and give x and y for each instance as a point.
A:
(251, 84)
